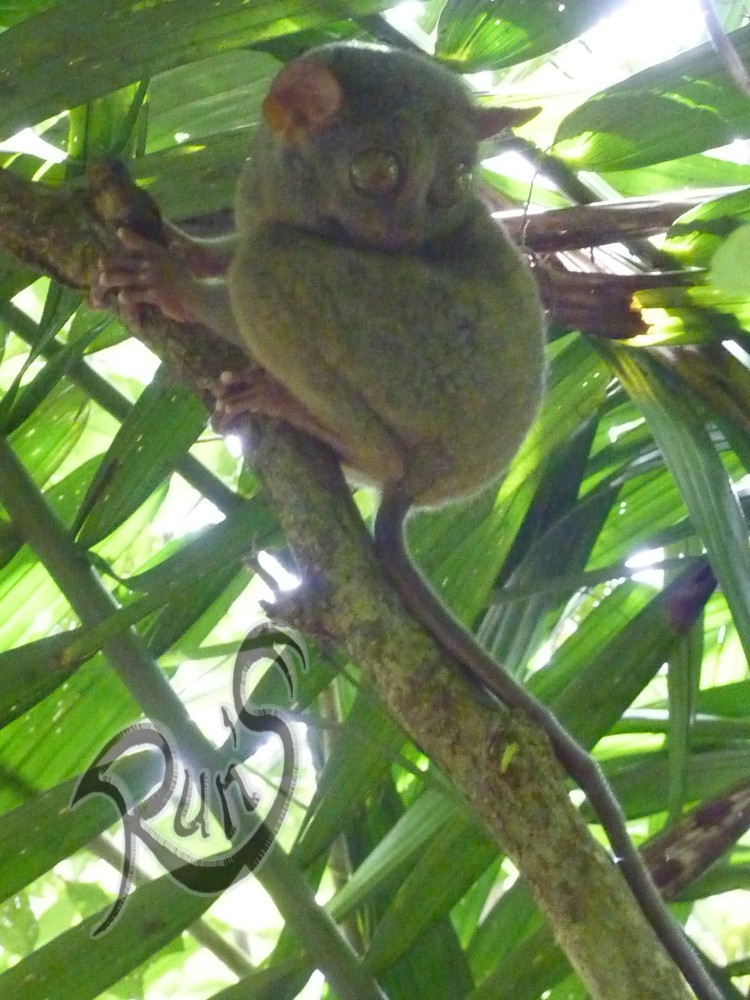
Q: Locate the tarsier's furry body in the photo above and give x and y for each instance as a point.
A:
(392, 318)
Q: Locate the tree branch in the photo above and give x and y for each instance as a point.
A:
(500, 762)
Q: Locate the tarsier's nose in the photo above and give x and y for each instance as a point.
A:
(392, 234)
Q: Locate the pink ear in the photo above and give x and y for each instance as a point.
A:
(490, 120)
(304, 98)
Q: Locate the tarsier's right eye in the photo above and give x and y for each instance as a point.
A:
(375, 172)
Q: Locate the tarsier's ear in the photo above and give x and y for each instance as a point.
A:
(304, 98)
(490, 120)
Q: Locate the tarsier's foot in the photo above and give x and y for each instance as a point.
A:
(258, 392)
(143, 273)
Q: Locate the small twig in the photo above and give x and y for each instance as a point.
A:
(724, 48)
(580, 226)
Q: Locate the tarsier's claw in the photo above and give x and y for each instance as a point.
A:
(131, 310)
(96, 297)
(236, 395)
(142, 247)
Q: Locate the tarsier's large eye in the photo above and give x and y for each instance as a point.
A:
(375, 172)
(451, 185)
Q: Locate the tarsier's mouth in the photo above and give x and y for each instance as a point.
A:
(371, 237)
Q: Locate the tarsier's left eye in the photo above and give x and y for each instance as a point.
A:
(375, 172)
(451, 185)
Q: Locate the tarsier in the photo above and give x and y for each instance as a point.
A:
(392, 319)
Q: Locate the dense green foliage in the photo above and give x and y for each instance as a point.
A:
(641, 446)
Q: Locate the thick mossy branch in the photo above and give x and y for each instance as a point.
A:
(64, 232)
(501, 763)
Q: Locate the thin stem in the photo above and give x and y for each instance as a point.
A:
(106, 396)
(725, 49)
(70, 568)
(593, 225)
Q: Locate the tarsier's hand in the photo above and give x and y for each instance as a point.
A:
(146, 273)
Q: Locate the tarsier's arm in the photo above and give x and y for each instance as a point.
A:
(207, 257)
(187, 282)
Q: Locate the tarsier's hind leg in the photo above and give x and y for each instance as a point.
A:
(289, 336)
(258, 392)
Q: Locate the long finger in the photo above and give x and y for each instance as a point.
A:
(140, 245)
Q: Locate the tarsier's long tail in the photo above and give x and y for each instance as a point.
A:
(461, 646)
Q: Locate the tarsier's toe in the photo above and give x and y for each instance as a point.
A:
(236, 395)
(98, 297)
(224, 419)
(125, 272)
(231, 382)
(142, 248)
(131, 309)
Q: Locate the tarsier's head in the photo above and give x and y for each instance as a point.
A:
(371, 145)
